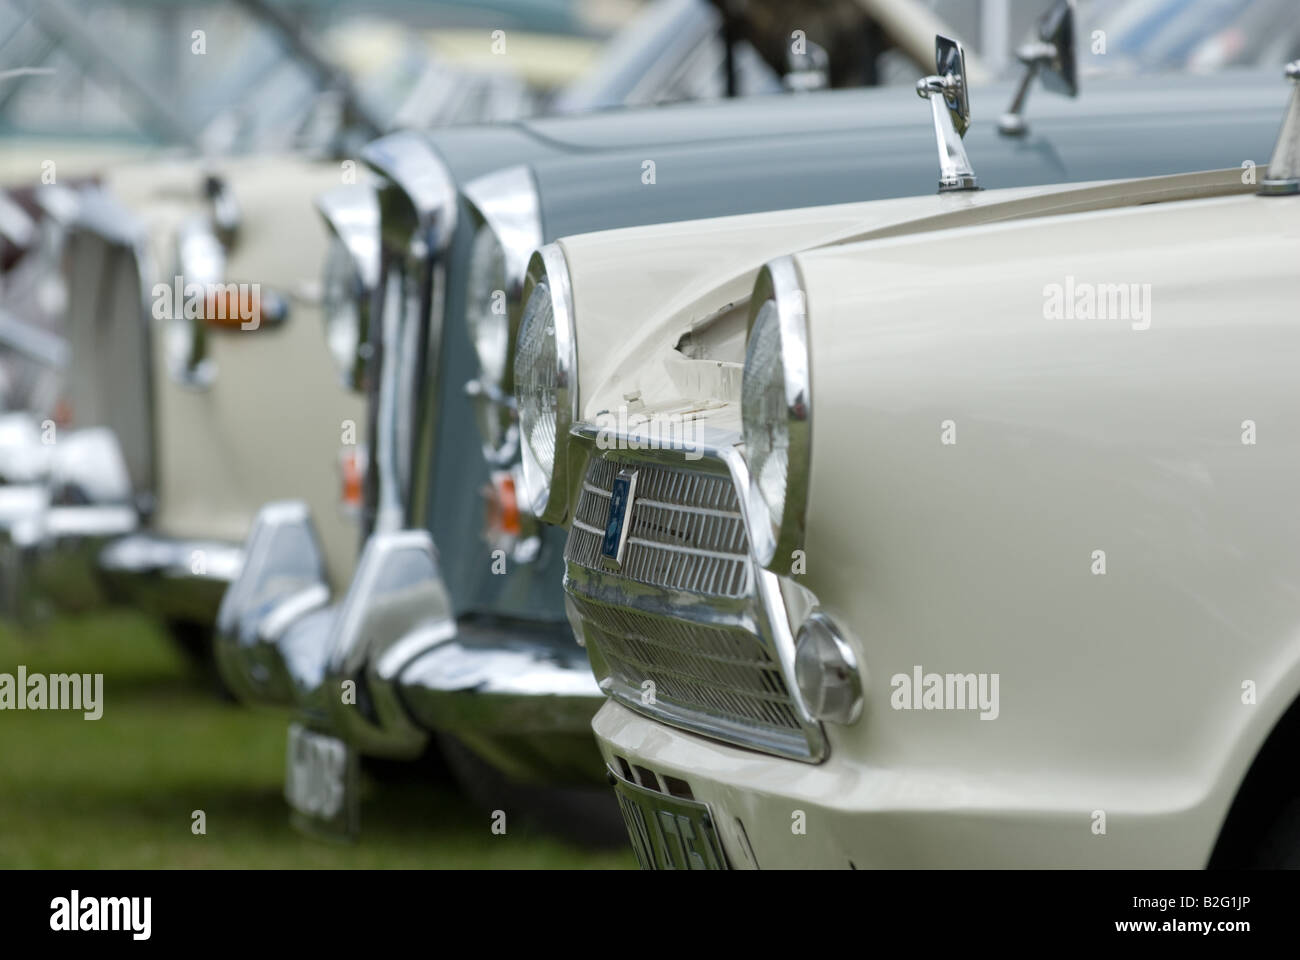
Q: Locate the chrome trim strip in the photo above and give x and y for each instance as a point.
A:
(384, 466)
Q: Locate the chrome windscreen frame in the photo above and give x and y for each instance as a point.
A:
(761, 611)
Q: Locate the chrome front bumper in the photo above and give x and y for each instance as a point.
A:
(71, 537)
(520, 696)
(387, 664)
(80, 558)
(49, 554)
(167, 577)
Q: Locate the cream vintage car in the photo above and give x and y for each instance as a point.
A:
(197, 386)
(945, 531)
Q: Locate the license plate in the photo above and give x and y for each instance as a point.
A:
(320, 782)
(669, 833)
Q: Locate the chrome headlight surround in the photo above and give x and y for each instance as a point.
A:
(776, 405)
(505, 212)
(351, 272)
(418, 213)
(546, 387)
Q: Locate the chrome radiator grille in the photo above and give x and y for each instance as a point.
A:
(711, 670)
(686, 531)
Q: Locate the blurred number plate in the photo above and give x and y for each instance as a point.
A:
(669, 833)
(320, 782)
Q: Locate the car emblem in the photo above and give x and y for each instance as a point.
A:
(618, 523)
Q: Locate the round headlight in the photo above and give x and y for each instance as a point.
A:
(775, 408)
(485, 308)
(341, 308)
(545, 367)
(537, 393)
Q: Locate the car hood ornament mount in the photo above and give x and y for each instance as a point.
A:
(950, 105)
(1052, 56)
(1283, 177)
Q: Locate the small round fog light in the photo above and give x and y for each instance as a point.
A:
(827, 672)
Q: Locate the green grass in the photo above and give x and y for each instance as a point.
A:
(119, 791)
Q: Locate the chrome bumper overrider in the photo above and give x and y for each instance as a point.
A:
(388, 664)
(273, 622)
(282, 639)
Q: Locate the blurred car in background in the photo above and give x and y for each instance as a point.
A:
(468, 640)
(181, 413)
(847, 528)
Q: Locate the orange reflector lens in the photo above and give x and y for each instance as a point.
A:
(501, 506)
(353, 476)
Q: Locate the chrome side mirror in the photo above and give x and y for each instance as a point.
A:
(200, 266)
(1052, 56)
(950, 105)
(1283, 177)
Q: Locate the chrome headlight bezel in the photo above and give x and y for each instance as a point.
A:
(486, 318)
(778, 527)
(547, 283)
(351, 266)
(505, 212)
(418, 217)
